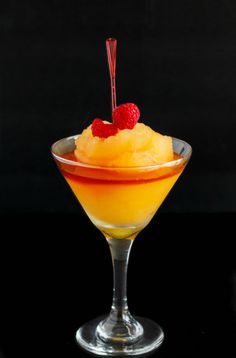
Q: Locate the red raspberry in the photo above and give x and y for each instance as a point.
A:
(126, 116)
(103, 130)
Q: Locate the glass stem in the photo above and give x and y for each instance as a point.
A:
(120, 250)
(120, 326)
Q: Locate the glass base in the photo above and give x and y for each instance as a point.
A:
(152, 337)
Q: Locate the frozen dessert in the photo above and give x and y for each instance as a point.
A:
(126, 147)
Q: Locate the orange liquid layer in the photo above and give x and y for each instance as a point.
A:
(120, 201)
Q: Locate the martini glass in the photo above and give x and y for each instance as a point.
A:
(120, 202)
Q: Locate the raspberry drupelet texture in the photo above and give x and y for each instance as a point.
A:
(103, 130)
(126, 116)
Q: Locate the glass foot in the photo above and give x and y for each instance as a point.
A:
(152, 337)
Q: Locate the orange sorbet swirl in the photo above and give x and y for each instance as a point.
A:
(140, 146)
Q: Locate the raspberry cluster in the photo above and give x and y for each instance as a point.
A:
(124, 116)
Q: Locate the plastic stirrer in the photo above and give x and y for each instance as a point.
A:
(111, 56)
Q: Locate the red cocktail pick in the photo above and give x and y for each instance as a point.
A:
(111, 56)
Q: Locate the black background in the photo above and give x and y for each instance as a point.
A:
(176, 61)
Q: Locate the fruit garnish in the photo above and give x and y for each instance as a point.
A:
(125, 116)
(103, 130)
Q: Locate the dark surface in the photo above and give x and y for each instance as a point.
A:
(184, 281)
(176, 60)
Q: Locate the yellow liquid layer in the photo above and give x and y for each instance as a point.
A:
(121, 208)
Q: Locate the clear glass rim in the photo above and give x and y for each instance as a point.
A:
(186, 154)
